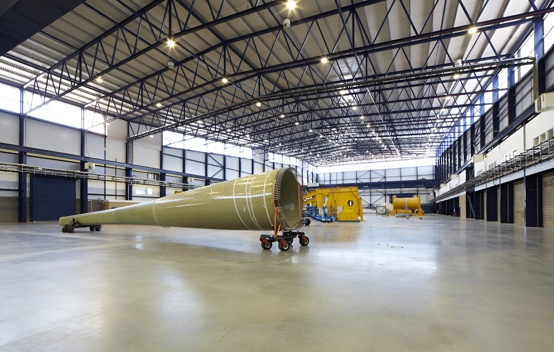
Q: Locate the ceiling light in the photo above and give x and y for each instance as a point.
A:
(456, 75)
(472, 30)
(297, 123)
(354, 108)
(265, 140)
(224, 80)
(258, 104)
(151, 136)
(368, 125)
(282, 116)
(99, 79)
(362, 117)
(170, 43)
(324, 60)
(247, 136)
(159, 105)
(291, 4)
(310, 130)
(228, 130)
(343, 92)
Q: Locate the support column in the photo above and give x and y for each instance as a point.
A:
(163, 175)
(83, 183)
(128, 170)
(22, 176)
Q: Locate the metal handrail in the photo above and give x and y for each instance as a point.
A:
(529, 157)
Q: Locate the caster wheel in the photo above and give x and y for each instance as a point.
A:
(64, 229)
(266, 245)
(284, 246)
(98, 227)
(92, 228)
(71, 229)
(307, 222)
(304, 240)
(289, 240)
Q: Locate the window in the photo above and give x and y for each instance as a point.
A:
(183, 141)
(527, 49)
(548, 32)
(9, 96)
(94, 122)
(59, 112)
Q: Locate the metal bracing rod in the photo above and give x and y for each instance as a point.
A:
(228, 42)
(332, 88)
(76, 80)
(314, 60)
(215, 89)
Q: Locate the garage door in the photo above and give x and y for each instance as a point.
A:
(52, 197)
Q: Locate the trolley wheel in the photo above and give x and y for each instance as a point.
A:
(289, 240)
(92, 228)
(64, 228)
(266, 244)
(98, 227)
(284, 246)
(304, 240)
(307, 222)
(71, 228)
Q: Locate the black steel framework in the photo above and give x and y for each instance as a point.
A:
(381, 95)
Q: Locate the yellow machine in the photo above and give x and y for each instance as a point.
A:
(405, 206)
(341, 203)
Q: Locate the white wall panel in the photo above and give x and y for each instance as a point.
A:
(94, 146)
(246, 166)
(118, 129)
(215, 171)
(9, 158)
(196, 156)
(95, 187)
(194, 167)
(231, 174)
(258, 167)
(51, 137)
(115, 149)
(362, 176)
(407, 172)
(146, 155)
(9, 128)
(55, 164)
(426, 172)
(9, 180)
(538, 125)
(377, 175)
(349, 177)
(173, 151)
(232, 163)
(172, 163)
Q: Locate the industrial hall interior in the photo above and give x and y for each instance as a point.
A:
(277, 175)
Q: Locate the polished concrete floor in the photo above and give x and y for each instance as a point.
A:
(387, 284)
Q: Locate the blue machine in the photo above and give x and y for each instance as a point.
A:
(313, 212)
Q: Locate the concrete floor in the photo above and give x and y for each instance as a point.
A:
(387, 284)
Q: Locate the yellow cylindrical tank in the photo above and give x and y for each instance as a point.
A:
(407, 205)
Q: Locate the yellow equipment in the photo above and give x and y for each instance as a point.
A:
(404, 206)
(343, 203)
